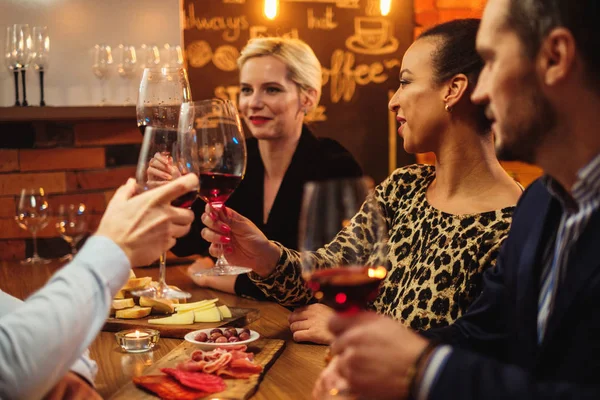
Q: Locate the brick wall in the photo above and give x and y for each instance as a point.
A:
(74, 161)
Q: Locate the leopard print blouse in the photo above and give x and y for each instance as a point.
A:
(435, 259)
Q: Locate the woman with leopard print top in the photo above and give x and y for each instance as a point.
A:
(446, 222)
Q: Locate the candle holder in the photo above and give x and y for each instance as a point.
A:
(137, 340)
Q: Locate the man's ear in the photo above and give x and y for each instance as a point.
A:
(455, 89)
(556, 57)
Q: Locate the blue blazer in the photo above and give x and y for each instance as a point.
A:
(496, 354)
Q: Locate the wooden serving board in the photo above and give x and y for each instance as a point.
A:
(265, 352)
(240, 317)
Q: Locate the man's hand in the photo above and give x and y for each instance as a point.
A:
(72, 387)
(146, 225)
(374, 354)
(309, 324)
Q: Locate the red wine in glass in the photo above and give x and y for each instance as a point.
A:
(346, 289)
(215, 188)
(185, 200)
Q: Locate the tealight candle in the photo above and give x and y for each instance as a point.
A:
(137, 340)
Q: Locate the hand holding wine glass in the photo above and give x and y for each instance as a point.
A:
(166, 145)
(221, 159)
(32, 215)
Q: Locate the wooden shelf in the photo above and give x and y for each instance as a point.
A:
(48, 113)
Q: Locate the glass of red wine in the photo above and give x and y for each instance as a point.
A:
(163, 157)
(330, 210)
(216, 129)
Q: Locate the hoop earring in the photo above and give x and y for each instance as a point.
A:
(305, 112)
(448, 108)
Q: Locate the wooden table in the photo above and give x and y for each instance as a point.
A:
(291, 377)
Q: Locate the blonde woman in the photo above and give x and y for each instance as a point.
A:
(280, 82)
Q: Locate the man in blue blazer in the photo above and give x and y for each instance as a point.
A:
(535, 330)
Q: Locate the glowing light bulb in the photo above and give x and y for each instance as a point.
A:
(271, 8)
(385, 6)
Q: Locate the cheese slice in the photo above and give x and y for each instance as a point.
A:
(210, 315)
(186, 318)
(195, 305)
(225, 311)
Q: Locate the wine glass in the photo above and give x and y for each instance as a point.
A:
(172, 56)
(22, 49)
(148, 56)
(329, 209)
(72, 225)
(162, 91)
(126, 65)
(221, 159)
(10, 59)
(32, 215)
(40, 50)
(101, 67)
(163, 144)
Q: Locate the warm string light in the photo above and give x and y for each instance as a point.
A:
(271, 8)
(385, 6)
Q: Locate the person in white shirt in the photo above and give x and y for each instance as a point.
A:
(43, 340)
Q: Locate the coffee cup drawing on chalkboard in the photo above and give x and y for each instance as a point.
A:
(372, 35)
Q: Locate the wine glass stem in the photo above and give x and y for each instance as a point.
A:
(17, 102)
(42, 102)
(102, 92)
(35, 248)
(23, 71)
(162, 270)
(221, 263)
(73, 248)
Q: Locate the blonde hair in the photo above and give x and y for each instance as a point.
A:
(304, 69)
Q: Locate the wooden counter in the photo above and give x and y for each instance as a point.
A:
(49, 113)
(291, 377)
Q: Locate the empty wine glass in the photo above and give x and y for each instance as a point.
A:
(329, 210)
(162, 145)
(10, 59)
(148, 56)
(22, 49)
(40, 50)
(32, 215)
(221, 159)
(171, 56)
(72, 225)
(101, 67)
(126, 66)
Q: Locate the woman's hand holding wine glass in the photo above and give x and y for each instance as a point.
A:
(244, 244)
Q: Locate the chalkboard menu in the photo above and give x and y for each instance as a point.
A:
(360, 51)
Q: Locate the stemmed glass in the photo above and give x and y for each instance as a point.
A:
(32, 215)
(329, 207)
(72, 225)
(148, 56)
(329, 211)
(172, 56)
(40, 51)
(161, 95)
(126, 65)
(221, 159)
(22, 49)
(101, 67)
(10, 58)
(162, 145)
